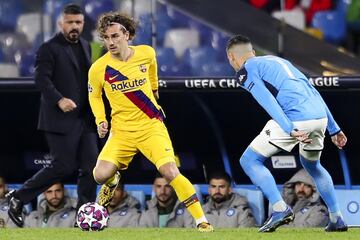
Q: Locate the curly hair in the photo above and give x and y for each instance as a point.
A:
(110, 18)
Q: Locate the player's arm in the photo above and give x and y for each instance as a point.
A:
(95, 86)
(337, 136)
(44, 68)
(263, 96)
(332, 126)
(153, 75)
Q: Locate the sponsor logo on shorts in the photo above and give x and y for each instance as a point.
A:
(283, 161)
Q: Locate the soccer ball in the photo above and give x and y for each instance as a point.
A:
(92, 217)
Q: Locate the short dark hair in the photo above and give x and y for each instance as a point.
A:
(237, 39)
(221, 175)
(72, 8)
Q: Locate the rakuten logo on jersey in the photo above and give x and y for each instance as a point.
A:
(124, 86)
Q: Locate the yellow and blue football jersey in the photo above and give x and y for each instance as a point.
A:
(129, 87)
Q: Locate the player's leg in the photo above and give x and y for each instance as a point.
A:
(325, 186)
(310, 160)
(157, 147)
(63, 148)
(269, 142)
(115, 155)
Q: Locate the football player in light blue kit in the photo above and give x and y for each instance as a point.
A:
(299, 115)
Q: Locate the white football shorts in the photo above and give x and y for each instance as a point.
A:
(272, 139)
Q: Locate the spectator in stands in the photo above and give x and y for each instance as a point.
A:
(300, 194)
(165, 210)
(54, 210)
(124, 209)
(224, 208)
(310, 7)
(61, 68)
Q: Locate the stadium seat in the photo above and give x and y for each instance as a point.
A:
(9, 12)
(163, 24)
(8, 70)
(294, 17)
(94, 8)
(204, 30)
(12, 42)
(256, 202)
(144, 31)
(349, 201)
(215, 69)
(332, 24)
(140, 196)
(54, 8)
(171, 70)
(218, 42)
(30, 25)
(195, 58)
(179, 20)
(26, 61)
(134, 8)
(166, 56)
(180, 39)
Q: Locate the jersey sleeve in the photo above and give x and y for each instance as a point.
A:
(251, 81)
(153, 75)
(95, 87)
(332, 127)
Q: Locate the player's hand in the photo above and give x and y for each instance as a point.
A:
(66, 104)
(156, 94)
(339, 139)
(301, 136)
(102, 129)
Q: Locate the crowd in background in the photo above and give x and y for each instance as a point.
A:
(200, 54)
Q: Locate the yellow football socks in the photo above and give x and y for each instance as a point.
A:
(186, 194)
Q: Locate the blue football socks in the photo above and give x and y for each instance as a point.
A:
(253, 165)
(324, 185)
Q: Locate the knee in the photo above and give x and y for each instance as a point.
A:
(169, 171)
(100, 175)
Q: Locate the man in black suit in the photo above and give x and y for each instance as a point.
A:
(61, 69)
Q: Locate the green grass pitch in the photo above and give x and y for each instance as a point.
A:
(174, 234)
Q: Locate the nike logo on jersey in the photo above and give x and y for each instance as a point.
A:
(112, 75)
(112, 78)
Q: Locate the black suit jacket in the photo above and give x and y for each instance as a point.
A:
(57, 75)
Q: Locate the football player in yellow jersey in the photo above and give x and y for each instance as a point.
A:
(128, 76)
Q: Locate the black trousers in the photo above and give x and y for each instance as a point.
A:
(75, 151)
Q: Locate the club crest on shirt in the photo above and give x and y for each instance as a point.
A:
(180, 211)
(304, 210)
(230, 212)
(142, 68)
(123, 213)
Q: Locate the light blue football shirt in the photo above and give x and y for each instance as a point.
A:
(284, 92)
